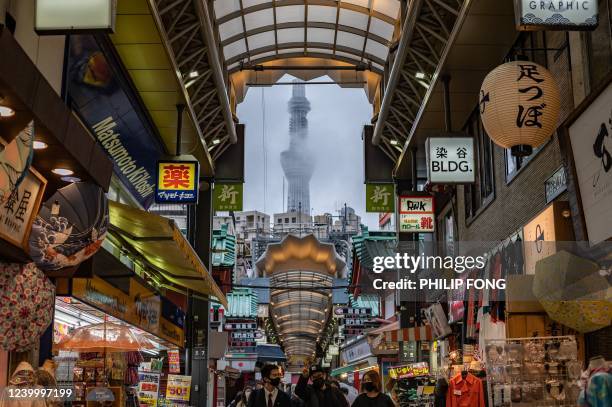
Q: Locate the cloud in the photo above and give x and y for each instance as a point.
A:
(335, 126)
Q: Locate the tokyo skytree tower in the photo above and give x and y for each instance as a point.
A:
(297, 161)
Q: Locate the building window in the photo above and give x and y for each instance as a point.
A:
(482, 192)
(279, 220)
(292, 220)
(515, 164)
(286, 220)
(599, 45)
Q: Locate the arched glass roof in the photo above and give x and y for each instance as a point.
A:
(354, 31)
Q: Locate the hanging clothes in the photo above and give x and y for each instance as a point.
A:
(465, 392)
(598, 391)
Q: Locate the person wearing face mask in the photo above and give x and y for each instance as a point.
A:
(371, 395)
(270, 395)
(320, 393)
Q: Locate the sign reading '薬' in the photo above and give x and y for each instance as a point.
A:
(177, 182)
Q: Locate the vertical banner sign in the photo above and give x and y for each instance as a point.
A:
(450, 160)
(416, 214)
(174, 361)
(178, 389)
(101, 96)
(228, 196)
(570, 15)
(380, 198)
(177, 182)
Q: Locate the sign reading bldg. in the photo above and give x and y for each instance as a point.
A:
(450, 160)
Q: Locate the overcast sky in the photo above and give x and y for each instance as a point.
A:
(335, 123)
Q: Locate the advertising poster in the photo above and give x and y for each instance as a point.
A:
(178, 389)
(148, 388)
(174, 361)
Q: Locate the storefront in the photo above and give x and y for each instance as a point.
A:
(355, 358)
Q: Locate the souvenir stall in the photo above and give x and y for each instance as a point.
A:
(414, 384)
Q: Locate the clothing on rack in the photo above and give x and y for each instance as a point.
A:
(465, 392)
(598, 390)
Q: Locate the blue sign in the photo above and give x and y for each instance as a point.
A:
(177, 182)
(100, 93)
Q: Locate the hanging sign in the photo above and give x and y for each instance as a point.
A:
(416, 214)
(177, 182)
(228, 196)
(408, 371)
(556, 15)
(18, 210)
(591, 140)
(178, 388)
(450, 160)
(174, 361)
(70, 16)
(340, 312)
(380, 198)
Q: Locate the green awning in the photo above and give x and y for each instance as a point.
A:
(242, 303)
(223, 248)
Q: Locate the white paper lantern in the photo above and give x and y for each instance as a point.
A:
(519, 106)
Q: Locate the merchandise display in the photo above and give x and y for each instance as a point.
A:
(542, 371)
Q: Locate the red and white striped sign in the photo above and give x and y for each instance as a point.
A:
(420, 333)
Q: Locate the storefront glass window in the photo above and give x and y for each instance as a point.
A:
(600, 45)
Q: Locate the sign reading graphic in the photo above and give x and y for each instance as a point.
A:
(556, 184)
(228, 196)
(408, 371)
(69, 16)
(177, 182)
(178, 388)
(556, 15)
(380, 198)
(450, 160)
(17, 212)
(416, 214)
(591, 139)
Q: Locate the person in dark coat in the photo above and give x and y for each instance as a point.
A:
(320, 393)
(270, 395)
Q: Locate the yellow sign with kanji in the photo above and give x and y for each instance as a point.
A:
(177, 182)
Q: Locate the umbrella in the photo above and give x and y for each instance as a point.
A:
(26, 305)
(573, 292)
(104, 337)
(15, 159)
(70, 227)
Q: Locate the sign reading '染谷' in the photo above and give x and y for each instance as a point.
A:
(380, 198)
(416, 214)
(228, 197)
(177, 182)
(450, 159)
(556, 14)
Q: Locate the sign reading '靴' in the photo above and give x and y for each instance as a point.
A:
(100, 95)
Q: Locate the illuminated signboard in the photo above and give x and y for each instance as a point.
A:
(416, 214)
(177, 182)
(408, 371)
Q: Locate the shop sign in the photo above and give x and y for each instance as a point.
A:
(171, 332)
(100, 94)
(450, 160)
(174, 361)
(408, 371)
(177, 182)
(240, 325)
(341, 312)
(148, 388)
(541, 234)
(243, 365)
(556, 184)
(407, 351)
(145, 309)
(178, 388)
(333, 350)
(20, 208)
(380, 198)
(591, 140)
(70, 16)
(228, 196)
(556, 15)
(416, 214)
(356, 351)
(102, 295)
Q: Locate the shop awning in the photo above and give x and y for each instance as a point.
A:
(159, 243)
(270, 353)
(419, 333)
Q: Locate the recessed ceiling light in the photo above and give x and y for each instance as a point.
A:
(216, 141)
(419, 75)
(62, 171)
(40, 145)
(194, 74)
(393, 142)
(71, 179)
(6, 111)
